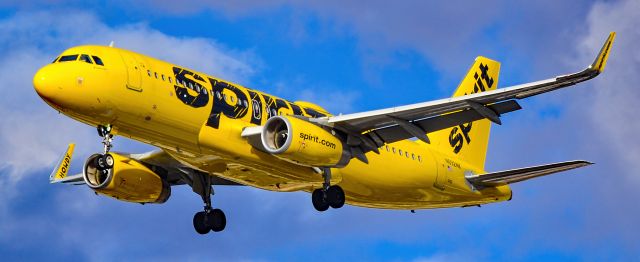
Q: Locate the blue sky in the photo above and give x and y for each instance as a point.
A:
(347, 57)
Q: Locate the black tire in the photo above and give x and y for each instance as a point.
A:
(335, 196)
(318, 200)
(217, 220)
(199, 224)
(99, 163)
(108, 160)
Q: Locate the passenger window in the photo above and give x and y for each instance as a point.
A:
(413, 156)
(156, 74)
(163, 77)
(170, 80)
(232, 99)
(68, 58)
(406, 154)
(393, 149)
(149, 72)
(400, 151)
(387, 146)
(419, 159)
(86, 59)
(97, 60)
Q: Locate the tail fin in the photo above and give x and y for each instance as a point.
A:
(469, 141)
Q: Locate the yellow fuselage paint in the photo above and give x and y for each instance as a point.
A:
(138, 96)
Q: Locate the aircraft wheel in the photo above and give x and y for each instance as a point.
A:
(318, 200)
(199, 223)
(108, 160)
(335, 196)
(217, 220)
(100, 163)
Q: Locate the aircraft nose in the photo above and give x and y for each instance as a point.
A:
(43, 83)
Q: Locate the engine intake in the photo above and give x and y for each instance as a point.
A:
(127, 180)
(300, 141)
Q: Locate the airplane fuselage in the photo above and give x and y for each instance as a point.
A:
(198, 119)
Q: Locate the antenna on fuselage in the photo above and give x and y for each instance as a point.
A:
(111, 44)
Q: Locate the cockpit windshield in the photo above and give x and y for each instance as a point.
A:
(98, 60)
(84, 58)
(66, 58)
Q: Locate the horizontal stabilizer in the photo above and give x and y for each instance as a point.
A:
(521, 174)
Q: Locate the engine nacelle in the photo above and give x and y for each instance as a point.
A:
(128, 180)
(300, 141)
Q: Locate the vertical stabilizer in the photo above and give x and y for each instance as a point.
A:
(470, 141)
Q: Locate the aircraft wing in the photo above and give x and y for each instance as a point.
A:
(172, 170)
(521, 174)
(403, 122)
(167, 167)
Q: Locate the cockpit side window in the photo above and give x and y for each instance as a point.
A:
(98, 60)
(54, 60)
(66, 58)
(86, 59)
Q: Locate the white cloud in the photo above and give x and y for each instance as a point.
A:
(335, 101)
(613, 107)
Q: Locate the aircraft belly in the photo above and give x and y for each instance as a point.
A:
(394, 182)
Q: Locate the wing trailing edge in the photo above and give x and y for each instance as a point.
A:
(382, 124)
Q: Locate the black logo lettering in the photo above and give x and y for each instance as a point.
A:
(222, 105)
(252, 102)
(183, 83)
(455, 140)
(256, 107)
(483, 83)
(274, 105)
(313, 113)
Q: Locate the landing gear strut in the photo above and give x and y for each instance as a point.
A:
(328, 196)
(210, 219)
(105, 161)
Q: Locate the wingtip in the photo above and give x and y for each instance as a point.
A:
(62, 168)
(601, 60)
(585, 162)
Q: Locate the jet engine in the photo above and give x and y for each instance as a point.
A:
(124, 179)
(300, 141)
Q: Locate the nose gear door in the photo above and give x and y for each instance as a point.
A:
(134, 71)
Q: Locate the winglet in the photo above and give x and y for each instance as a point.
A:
(601, 59)
(62, 169)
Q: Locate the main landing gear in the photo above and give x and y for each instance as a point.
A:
(328, 196)
(210, 219)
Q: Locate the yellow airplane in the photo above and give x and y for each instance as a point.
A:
(213, 132)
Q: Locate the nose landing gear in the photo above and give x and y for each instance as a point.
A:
(105, 161)
(328, 196)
